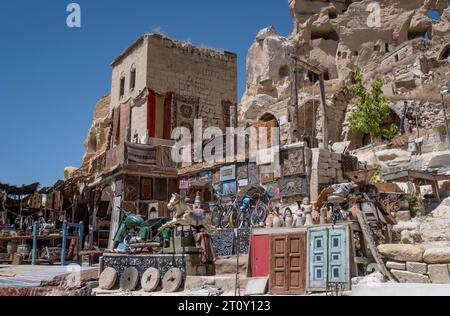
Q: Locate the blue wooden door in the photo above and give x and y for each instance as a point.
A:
(318, 258)
(337, 262)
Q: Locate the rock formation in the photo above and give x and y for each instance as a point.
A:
(396, 40)
(97, 139)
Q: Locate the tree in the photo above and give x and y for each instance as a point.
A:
(372, 110)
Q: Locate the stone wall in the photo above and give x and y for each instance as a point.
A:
(415, 264)
(189, 71)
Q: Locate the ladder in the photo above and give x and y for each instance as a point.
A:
(368, 236)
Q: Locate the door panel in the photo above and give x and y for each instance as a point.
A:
(318, 258)
(337, 254)
(278, 282)
(260, 256)
(297, 264)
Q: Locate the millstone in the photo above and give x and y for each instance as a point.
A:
(150, 280)
(107, 279)
(129, 279)
(172, 280)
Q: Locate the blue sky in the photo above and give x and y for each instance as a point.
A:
(52, 76)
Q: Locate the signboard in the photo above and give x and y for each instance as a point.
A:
(228, 173)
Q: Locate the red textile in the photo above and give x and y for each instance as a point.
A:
(168, 115)
(125, 113)
(116, 125)
(151, 113)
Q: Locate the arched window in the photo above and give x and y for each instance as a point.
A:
(133, 78)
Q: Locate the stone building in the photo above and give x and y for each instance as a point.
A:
(157, 84)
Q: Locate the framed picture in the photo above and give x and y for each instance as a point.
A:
(228, 173)
(293, 186)
(229, 188)
(253, 173)
(146, 189)
(242, 172)
(266, 173)
(207, 176)
(242, 183)
(293, 162)
(216, 176)
(183, 184)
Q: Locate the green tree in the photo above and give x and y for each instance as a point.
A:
(372, 110)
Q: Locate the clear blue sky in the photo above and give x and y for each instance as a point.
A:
(52, 76)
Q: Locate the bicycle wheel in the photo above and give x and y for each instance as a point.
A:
(259, 214)
(228, 218)
(243, 220)
(216, 215)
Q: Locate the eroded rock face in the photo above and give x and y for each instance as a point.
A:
(402, 253)
(396, 41)
(97, 139)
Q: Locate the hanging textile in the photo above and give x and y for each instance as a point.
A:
(204, 242)
(125, 114)
(159, 116)
(116, 126)
(168, 115)
(151, 113)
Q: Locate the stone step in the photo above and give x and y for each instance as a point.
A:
(226, 282)
(228, 265)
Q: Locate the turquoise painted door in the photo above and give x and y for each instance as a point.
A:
(318, 258)
(338, 265)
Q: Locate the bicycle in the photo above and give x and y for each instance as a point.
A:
(252, 216)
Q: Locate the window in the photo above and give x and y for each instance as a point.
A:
(318, 259)
(319, 243)
(336, 257)
(397, 58)
(122, 87)
(133, 79)
(386, 47)
(318, 274)
(284, 71)
(336, 242)
(336, 273)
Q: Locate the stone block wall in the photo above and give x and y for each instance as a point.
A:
(414, 264)
(326, 169)
(195, 72)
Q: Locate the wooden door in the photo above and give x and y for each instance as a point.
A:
(296, 273)
(338, 265)
(278, 265)
(288, 264)
(318, 258)
(260, 255)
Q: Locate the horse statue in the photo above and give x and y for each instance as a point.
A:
(185, 216)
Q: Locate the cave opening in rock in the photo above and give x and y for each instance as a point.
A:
(419, 34)
(445, 53)
(284, 71)
(326, 35)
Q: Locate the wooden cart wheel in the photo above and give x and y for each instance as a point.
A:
(172, 280)
(150, 280)
(129, 279)
(107, 279)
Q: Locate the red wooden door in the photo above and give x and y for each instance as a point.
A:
(260, 255)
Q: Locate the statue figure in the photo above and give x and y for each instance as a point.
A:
(307, 209)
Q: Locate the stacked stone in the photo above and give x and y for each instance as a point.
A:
(414, 264)
(330, 168)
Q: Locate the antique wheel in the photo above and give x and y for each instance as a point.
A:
(107, 279)
(172, 280)
(150, 280)
(244, 220)
(129, 279)
(259, 214)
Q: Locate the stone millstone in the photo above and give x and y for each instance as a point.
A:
(107, 279)
(172, 280)
(150, 280)
(129, 279)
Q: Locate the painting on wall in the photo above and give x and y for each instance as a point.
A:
(273, 190)
(253, 173)
(266, 173)
(183, 184)
(242, 172)
(207, 176)
(293, 186)
(293, 162)
(228, 173)
(218, 187)
(242, 183)
(146, 189)
(216, 176)
(229, 188)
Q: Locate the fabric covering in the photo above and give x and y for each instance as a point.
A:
(125, 115)
(205, 243)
